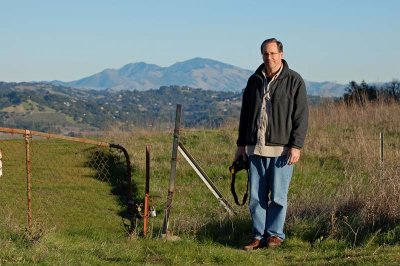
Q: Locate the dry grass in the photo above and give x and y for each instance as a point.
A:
(366, 193)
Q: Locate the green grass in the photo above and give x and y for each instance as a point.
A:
(97, 250)
(79, 212)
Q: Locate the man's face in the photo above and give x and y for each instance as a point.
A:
(272, 57)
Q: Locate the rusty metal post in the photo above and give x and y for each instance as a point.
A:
(172, 177)
(28, 178)
(147, 189)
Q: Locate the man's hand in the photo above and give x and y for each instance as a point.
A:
(293, 156)
(240, 151)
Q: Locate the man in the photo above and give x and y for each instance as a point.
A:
(272, 128)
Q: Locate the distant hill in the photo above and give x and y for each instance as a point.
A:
(206, 74)
(196, 73)
(56, 108)
(325, 89)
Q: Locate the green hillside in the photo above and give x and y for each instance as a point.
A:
(47, 107)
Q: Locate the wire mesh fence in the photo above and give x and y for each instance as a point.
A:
(50, 181)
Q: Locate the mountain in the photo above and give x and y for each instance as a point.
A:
(202, 73)
(198, 72)
(325, 89)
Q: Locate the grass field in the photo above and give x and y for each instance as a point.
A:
(343, 202)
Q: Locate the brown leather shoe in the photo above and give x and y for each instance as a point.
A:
(256, 244)
(274, 241)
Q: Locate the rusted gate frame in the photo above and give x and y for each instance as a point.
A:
(28, 135)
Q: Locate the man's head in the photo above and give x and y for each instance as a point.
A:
(272, 54)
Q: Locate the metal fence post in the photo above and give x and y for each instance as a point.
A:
(28, 177)
(382, 138)
(147, 189)
(171, 187)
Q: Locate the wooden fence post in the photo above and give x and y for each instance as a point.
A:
(172, 177)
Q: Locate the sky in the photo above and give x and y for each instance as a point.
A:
(335, 40)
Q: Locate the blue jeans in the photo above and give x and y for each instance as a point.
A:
(269, 185)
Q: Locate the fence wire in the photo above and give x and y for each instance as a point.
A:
(68, 180)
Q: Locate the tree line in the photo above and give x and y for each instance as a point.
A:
(361, 93)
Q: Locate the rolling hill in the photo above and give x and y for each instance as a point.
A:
(43, 106)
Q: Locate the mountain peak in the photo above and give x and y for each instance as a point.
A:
(199, 62)
(197, 72)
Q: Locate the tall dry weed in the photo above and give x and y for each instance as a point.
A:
(367, 192)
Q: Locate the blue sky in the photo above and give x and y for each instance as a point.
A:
(336, 40)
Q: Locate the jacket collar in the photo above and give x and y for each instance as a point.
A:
(283, 73)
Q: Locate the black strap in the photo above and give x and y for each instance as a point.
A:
(235, 197)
